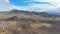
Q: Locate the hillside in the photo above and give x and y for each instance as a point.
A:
(29, 23)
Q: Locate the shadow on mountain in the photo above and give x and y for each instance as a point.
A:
(16, 25)
(21, 22)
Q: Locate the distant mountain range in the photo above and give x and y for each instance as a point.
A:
(22, 11)
(49, 14)
(44, 14)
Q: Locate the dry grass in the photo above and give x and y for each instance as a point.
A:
(28, 24)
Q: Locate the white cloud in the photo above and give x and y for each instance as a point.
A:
(54, 2)
(6, 1)
(47, 0)
(34, 6)
(4, 6)
(42, 7)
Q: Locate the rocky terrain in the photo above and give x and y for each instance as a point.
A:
(21, 22)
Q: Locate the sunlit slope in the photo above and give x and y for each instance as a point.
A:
(23, 23)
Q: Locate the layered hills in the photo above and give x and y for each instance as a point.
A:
(25, 22)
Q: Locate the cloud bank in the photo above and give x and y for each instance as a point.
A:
(33, 5)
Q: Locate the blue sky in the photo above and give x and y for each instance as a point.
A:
(25, 2)
(30, 5)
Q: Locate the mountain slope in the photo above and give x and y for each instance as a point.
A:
(16, 25)
(17, 22)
